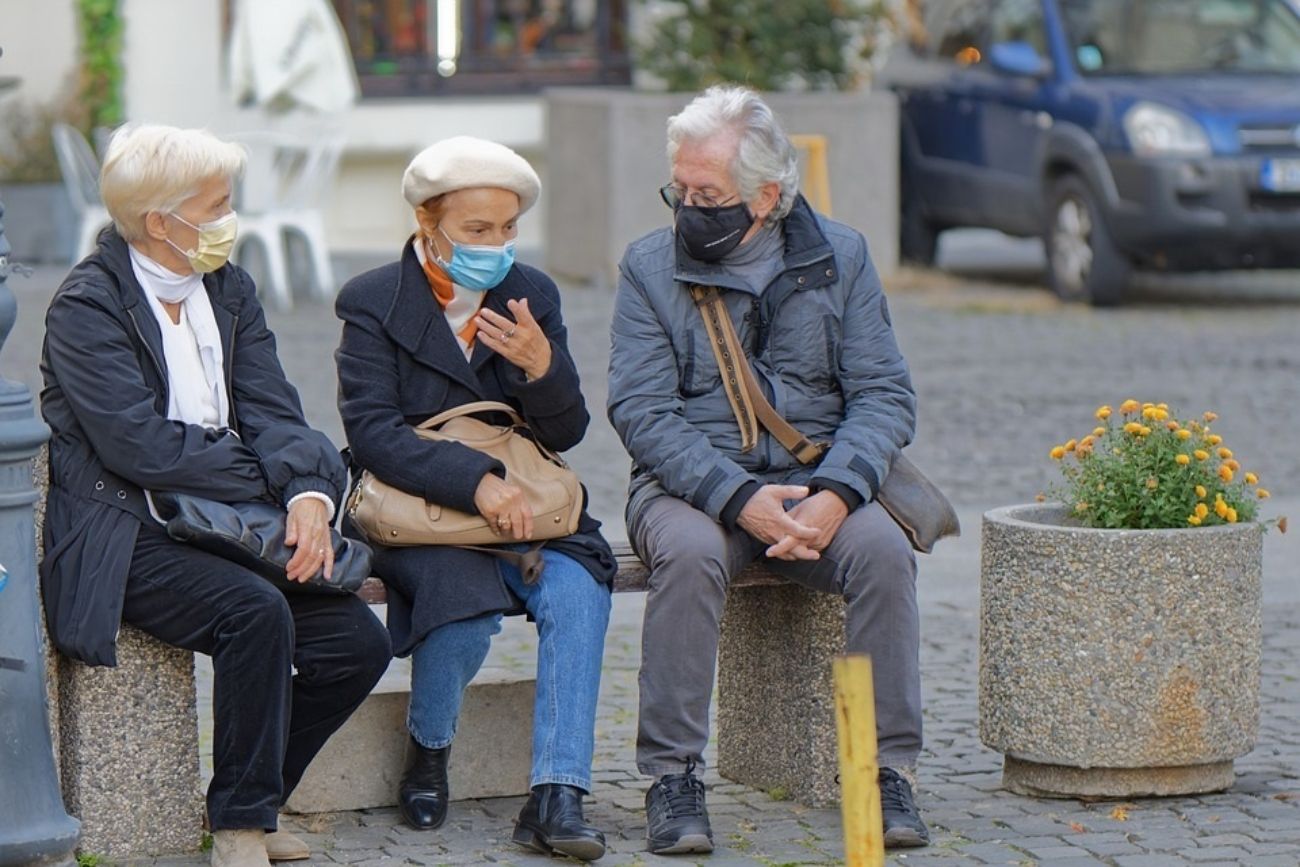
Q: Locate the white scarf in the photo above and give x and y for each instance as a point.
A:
(200, 403)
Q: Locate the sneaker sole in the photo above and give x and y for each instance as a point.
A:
(581, 848)
(684, 845)
(905, 838)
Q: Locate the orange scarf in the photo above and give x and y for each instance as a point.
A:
(443, 290)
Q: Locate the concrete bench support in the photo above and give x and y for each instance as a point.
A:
(776, 701)
(130, 751)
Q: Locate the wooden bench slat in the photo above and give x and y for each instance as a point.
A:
(633, 576)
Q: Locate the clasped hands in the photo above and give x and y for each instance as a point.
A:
(801, 533)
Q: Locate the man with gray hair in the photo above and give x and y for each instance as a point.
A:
(709, 493)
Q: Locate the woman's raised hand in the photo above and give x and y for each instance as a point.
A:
(521, 342)
(504, 507)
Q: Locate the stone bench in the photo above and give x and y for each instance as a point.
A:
(128, 736)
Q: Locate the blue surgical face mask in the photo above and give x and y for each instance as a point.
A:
(477, 266)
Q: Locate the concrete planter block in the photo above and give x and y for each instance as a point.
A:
(776, 697)
(360, 766)
(1118, 663)
(606, 159)
(130, 750)
(40, 223)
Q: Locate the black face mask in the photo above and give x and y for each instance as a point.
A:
(708, 234)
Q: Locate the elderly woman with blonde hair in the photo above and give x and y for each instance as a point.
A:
(161, 375)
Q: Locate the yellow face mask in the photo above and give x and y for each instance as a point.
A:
(214, 245)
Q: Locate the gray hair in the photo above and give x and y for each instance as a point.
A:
(764, 153)
(150, 167)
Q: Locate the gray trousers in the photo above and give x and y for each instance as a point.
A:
(692, 558)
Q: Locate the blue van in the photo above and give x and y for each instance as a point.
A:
(1156, 134)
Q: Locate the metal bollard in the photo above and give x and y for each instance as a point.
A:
(34, 828)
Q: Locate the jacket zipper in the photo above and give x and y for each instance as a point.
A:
(162, 371)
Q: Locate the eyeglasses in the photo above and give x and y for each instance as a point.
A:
(674, 196)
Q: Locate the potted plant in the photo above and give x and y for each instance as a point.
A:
(1120, 626)
(812, 59)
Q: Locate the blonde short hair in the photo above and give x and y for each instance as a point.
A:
(150, 167)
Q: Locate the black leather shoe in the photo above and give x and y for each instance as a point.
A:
(677, 822)
(551, 821)
(903, 826)
(422, 796)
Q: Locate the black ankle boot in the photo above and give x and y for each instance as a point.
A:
(552, 820)
(422, 796)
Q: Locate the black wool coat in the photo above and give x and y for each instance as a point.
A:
(399, 364)
(105, 400)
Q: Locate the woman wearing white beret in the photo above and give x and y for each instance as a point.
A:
(457, 320)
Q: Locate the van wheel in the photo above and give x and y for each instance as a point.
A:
(918, 239)
(1083, 263)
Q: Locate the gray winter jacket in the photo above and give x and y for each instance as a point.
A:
(821, 344)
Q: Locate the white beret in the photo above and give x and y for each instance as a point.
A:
(463, 162)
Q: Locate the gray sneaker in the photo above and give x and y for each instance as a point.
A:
(677, 822)
(903, 826)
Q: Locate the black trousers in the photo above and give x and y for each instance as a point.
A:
(268, 721)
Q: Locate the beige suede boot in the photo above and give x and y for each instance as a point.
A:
(283, 846)
(239, 849)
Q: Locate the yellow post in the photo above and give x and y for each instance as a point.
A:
(855, 717)
(816, 175)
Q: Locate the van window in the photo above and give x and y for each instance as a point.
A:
(1152, 37)
(1019, 21)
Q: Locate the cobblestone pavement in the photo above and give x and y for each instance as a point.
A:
(1002, 372)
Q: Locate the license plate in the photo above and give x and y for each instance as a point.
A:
(1280, 176)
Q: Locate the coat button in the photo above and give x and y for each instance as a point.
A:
(802, 280)
(99, 486)
(830, 272)
(121, 495)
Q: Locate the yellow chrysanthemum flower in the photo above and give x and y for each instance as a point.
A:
(1129, 406)
(1171, 425)
(1193, 520)
(1161, 414)
(1225, 453)
(1200, 491)
(1149, 411)
(1221, 508)
(1214, 439)
(1225, 473)
(1132, 427)
(1098, 431)
(1183, 434)
(1201, 510)
(1182, 460)
(1232, 464)
(1070, 444)
(1201, 455)
(1262, 493)
(1231, 516)
(1251, 478)
(1057, 453)
(1163, 406)
(1144, 431)
(1211, 416)
(1103, 412)
(1082, 507)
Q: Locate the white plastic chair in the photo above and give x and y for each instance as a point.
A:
(279, 199)
(80, 169)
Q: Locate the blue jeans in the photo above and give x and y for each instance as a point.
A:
(571, 610)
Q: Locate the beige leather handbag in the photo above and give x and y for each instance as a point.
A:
(388, 516)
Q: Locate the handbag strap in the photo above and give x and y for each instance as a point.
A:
(471, 409)
(529, 562)
(743, 391)
(478, 406)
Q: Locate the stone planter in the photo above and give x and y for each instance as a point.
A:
(1117, 663)
(606, 159)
